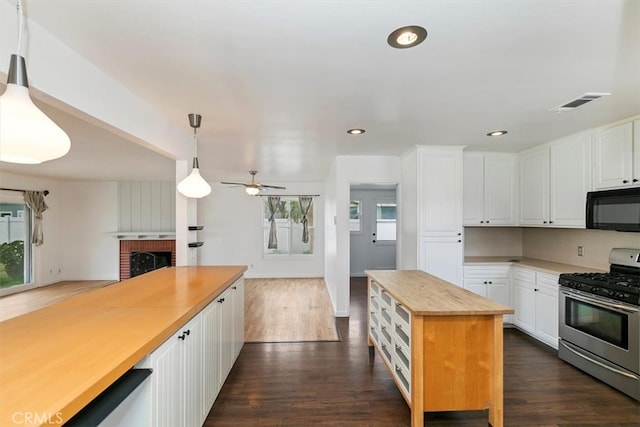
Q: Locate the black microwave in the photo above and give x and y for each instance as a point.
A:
(614, 209)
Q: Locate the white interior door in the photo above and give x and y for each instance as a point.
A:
(373, 229)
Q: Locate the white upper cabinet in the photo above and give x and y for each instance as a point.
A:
(554, 181)
(534, 186)
(617, 161)
(489, 189)
(569, 180)
(440, 191)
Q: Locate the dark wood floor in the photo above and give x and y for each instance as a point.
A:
(336, 384)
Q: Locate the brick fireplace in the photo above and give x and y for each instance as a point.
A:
(129, 246)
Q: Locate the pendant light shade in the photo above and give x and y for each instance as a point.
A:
(27, 135)
(194, 185)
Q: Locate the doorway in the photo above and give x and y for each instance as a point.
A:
(373, 228)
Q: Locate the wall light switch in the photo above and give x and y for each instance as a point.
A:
(580, 251)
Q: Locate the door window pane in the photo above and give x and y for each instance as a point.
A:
(386, 218)
(355, 215)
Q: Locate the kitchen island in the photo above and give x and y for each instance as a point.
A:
(442, 344)
(56, 360)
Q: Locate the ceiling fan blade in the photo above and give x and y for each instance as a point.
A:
(273, 186)
(233, 183)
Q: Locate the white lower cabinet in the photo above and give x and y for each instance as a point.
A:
(442, 256)
(191, 366)
(491, 282)
(175, 381)
(535, 301)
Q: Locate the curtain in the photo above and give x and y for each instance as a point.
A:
(35, 201)
(305, 205)
(273, 202)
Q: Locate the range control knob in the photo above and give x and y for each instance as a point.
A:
(621, 295)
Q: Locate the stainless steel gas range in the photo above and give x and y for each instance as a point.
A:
(599, 324)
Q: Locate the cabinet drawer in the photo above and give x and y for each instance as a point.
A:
(402, 378)
(385, 316)
(401, 353)
(495, 272)
(385, 350)
(524, 275)
(374, 305)
(547, 280)
(373, 332)
(403, 335)
(374, 320)
(386, 299)
(374, 289)
(403, 316)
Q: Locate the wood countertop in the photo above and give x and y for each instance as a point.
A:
(427, 295)
(56, 360)
(536, 264)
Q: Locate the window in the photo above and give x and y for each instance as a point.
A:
(386, 217)
(15, 246)
(289, 229)
(355, 216)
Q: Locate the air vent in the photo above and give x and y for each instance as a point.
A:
(577, 102)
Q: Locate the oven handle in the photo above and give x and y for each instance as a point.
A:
(626, 374)
(592, 299)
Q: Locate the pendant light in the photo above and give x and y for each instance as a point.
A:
(27, 135)
(194, 185)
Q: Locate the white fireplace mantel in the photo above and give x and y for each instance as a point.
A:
(143, 235)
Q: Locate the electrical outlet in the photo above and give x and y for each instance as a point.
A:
(580, 251)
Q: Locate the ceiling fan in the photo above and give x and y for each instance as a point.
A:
(252, 188)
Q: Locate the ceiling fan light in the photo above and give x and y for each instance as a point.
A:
(27, 135)
(194, 185)
(252, 191)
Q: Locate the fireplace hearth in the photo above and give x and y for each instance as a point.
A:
(140, 256)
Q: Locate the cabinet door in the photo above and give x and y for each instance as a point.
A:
(167, 383)
(534, 187)
(225, 323)
(473, 189)
(238, 317)
(477, 286)
(440, 192)
(636, 153)
(613, 157)
(498, 290)
(210, 357)
(524, 302)
(569, 180)
(442, 257)
(192, 347)
(546, 326)
(499, 189)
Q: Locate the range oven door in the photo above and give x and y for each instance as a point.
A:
(603, 327)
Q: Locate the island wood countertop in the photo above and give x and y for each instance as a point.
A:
(56, 360)
(427, 295)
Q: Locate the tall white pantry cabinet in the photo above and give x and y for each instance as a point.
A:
(432, 218)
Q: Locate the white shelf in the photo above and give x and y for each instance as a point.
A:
(143, 235)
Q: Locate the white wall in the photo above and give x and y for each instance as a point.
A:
(331, 233)
(90, 211)
(352, 170)
(232, 233)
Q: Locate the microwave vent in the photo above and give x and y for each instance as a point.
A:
(577, 102)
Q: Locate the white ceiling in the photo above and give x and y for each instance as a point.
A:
(278, 83)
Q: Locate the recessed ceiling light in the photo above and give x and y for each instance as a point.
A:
(497, 133)
(406, 37)
(356, 131)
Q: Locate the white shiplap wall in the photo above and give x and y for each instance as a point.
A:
(146, 206)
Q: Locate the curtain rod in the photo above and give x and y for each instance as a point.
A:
(288, 195)
(22, 191)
